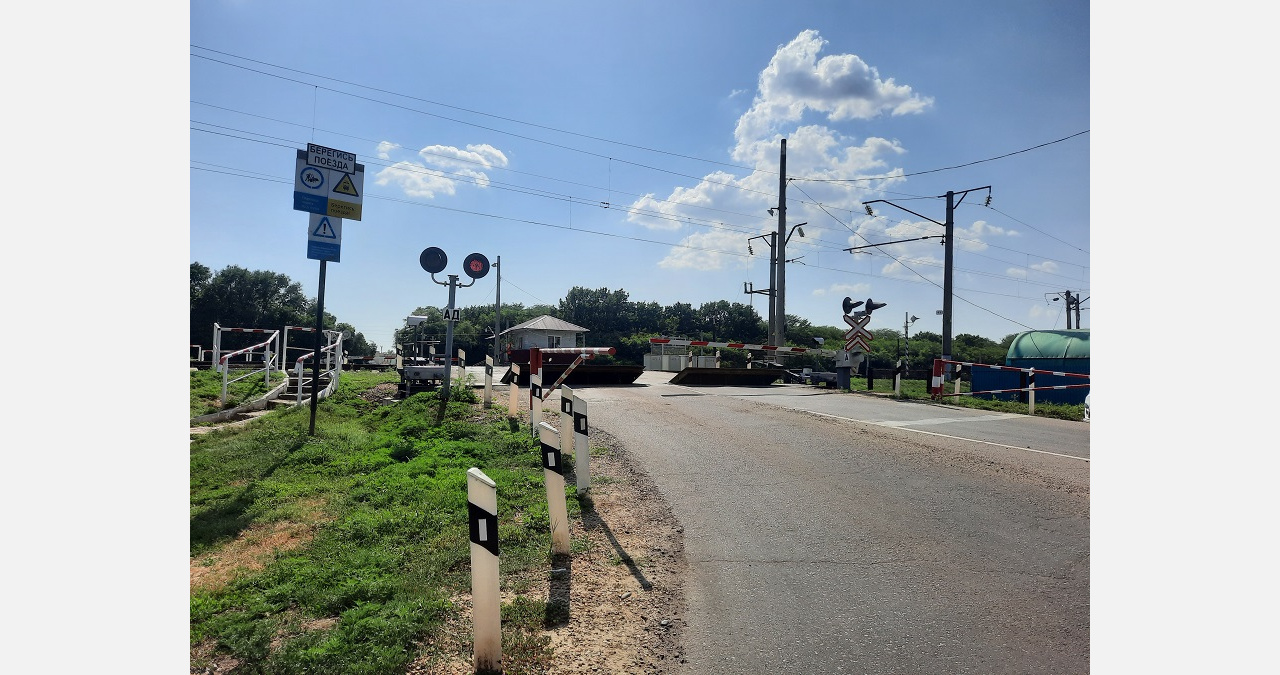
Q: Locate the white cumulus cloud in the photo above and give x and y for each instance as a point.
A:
(842, 86)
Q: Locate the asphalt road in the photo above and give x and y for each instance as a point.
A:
(842, 533)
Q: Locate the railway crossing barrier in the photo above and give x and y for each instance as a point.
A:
(741, 345)
(936, 383)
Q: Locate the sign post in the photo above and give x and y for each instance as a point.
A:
(328, 184)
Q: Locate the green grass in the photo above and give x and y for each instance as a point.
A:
(383, 488)
(919, 390)
(206, 390)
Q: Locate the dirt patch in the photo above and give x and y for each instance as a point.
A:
(623, 584)
(251, 551)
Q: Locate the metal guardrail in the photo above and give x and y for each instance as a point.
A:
(268, 359)
(332, 354)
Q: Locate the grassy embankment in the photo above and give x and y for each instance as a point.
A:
(206, 390)
(348, 552)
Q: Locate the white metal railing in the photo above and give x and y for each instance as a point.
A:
(219, 361)
(268, 360)
(332, 355)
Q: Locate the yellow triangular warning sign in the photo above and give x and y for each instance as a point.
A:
(346, 187)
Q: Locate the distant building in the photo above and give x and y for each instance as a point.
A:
(543, 332)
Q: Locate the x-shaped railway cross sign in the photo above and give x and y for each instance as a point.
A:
(857, 335)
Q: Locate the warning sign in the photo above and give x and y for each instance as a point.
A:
(324, 238)
(345, 186)
(329, 191)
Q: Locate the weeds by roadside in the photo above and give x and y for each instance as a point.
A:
(375, 506)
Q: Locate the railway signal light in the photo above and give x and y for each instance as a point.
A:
(433, 259)
(476, 265)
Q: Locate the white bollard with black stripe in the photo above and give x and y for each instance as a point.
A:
(513, 395)
(1031, 392)
(582, 449)
(535, 400)
(897, 379)
(553, 475)
(486, 607)
(566, 423)
(488, 382)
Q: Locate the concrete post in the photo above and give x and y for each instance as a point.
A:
(488, 382)
(553, 474)
(486, 607)
(581, 443)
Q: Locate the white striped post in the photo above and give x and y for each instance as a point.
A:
(462, 364)
(535, 400)
(567, 438)
(486, 607)
(582, 449)
(897, 379)
(1031, 392)
(488, 382)
(513, 395)
(553, 476)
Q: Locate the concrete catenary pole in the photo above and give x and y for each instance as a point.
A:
(948, 256)
(780, 251)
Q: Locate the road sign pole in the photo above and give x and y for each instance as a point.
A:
(448, 339)
(315, 357)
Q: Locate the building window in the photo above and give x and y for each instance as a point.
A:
(553, 341)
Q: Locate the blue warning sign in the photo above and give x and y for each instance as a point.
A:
(324, 238)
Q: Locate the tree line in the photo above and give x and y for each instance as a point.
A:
(235, 297)
(238, 297)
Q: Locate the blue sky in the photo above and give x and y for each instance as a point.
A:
(636, 146)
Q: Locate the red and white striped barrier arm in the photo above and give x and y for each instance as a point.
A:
(740, 345)
(576, 362)
(935, 388)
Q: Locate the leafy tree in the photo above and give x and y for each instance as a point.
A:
(239, 298)
(679, 319)
(354, 342)
(235, 297)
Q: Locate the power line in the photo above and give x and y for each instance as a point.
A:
(577, 134)
(945, 168)
(474, 112)
(496, 131)
(690, 220)
(470, 161)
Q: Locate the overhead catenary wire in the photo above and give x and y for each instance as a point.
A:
(213, 168)
(640, 212)
(620, 143)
